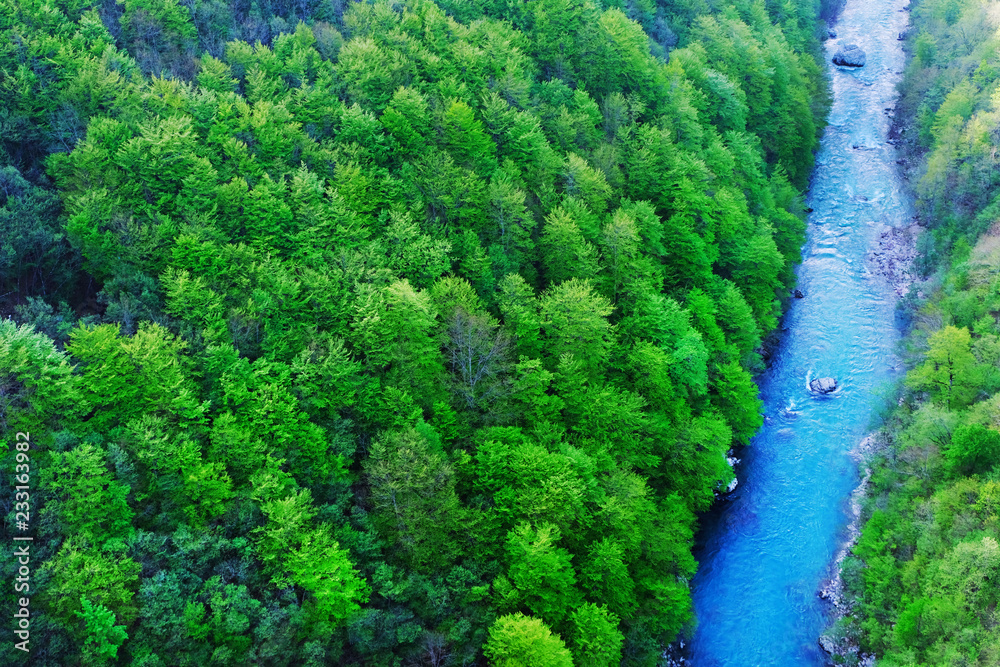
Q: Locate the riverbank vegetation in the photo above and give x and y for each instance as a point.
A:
(386, 333)
(925, 574)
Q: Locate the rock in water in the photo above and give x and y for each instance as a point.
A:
(849, 55)
(823, 385)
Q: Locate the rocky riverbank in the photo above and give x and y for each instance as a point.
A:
(675, 656)
(893, 256)
(843, 650)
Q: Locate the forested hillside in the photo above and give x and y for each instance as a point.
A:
(926, 573)
(387, 333)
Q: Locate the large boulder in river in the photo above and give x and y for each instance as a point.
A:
(823, 385)
(849, 55)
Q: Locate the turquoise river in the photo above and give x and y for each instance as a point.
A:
(766, 551)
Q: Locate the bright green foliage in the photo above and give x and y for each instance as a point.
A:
(605, 576)
(322, 568)
(413, 494)
(699, 451)
(737, 399)
(466, 140)
(36, 380)
(517, 640)
(520, 312)
(574, 320)
(478, 354)
(148, 373)
(527, 482)
(91, 502)
(565, 251)
(263, 419)
(103, 636)
(530, 393)
(511, 224)
(539, 577)
(175, 472)
(395, 327)
(973, 449)
(78, 571)
(949, 373)
(949, 95)
(209, 487)
(288, 519)
(596, 639)
(308, 557)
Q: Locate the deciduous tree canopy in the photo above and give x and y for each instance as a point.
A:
(388, 333)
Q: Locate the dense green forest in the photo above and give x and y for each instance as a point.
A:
(925, 575)
(391, 333)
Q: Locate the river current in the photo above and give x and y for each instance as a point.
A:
(765, 553)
